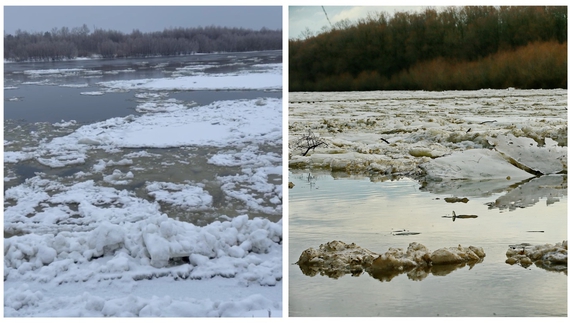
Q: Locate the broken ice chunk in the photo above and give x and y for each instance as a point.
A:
(547, 159)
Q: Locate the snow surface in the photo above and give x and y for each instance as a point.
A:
(58, 72)
(188, 196)
(92, 93)
(269, 77)
(220, 124)
(75, 85)
(86, 245)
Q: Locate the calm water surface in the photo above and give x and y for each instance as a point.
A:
(51, 97)
(358, 210)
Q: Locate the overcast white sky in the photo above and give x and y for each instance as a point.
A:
(143, 18)
(253, 15)
(313, 17)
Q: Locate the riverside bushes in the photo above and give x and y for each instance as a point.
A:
(453, 48)
(537, 65)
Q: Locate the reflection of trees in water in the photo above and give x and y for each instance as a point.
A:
(313, 177)
(309, 178)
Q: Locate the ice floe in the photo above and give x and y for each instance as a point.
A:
(257, 81)
(548, 256)
(223, 123)
(53, 72)
(118, 177)
(185, 195)
(114, 72)
(43, 82)
(16, 156)
(474, 164)
(92, 93)
(336, 258)
(64, 123)
(162, 106)
(75, 85)
(545, 157)
(254, 188)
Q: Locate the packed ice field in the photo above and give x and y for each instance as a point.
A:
(82, 243)
(487, 139)
(392, 132)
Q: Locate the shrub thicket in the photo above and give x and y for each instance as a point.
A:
(450, 48)
(536, 65)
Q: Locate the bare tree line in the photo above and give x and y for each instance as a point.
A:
(65, 43)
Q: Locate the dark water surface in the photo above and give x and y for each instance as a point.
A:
(33, 95)
(52, 103)
(353, 209)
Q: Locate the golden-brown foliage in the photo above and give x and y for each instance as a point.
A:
(537, 65)
(450, 48)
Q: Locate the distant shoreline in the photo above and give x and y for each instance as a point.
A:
(95, 57)
(60, 44)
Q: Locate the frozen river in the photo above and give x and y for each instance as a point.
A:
(393, 169)
(151, 186)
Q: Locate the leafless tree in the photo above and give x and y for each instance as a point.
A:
(65, 43)
(309, 141)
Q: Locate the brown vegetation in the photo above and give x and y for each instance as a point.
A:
(537, 65)
(447, 49)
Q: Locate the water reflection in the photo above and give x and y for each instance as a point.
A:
(357, 209)
(416, 273)
(421, 273)
(551, 187)
(522, 194)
